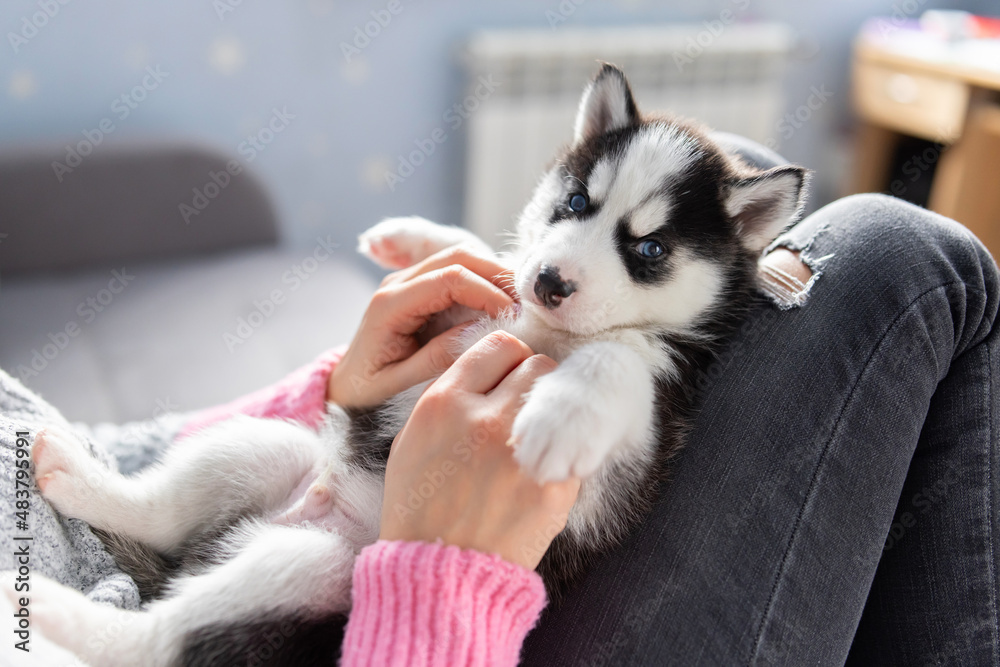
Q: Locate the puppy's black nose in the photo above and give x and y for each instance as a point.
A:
(550, 288)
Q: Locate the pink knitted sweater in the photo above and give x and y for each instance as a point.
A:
(414, 603)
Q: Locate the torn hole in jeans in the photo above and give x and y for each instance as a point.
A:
(787, 277)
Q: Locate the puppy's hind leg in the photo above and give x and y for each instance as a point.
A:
(38, 650)
(301, 589)
(283, 577)
(239, 467)
(64, 622)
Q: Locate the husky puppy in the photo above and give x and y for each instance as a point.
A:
(635, 256)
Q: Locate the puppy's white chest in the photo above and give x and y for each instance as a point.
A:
(541, 339)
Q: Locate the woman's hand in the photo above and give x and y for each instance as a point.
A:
(385, 357)
(451, 474)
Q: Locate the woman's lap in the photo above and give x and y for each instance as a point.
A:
(765, 542)
(933, 600)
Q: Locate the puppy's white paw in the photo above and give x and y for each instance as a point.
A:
(396, 243)
(557, 435)
(66, 474)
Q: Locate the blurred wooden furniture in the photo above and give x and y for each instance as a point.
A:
(956, 105)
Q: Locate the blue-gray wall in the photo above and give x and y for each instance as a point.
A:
(228, 71)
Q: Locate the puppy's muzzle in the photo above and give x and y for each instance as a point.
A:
(550, 288)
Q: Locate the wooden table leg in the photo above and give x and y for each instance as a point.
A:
(967, 185)
(873, 152)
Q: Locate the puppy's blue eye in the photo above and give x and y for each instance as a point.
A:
(650, 249)
(577, 203)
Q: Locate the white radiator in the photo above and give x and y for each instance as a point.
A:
(730, 79)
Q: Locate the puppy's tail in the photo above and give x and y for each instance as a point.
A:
(149, 569)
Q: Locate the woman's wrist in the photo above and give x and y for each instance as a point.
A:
(335, 392)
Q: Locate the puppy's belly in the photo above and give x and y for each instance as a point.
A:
(315, 503)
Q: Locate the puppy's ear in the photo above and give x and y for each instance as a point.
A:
(607, 105)
(764, 204)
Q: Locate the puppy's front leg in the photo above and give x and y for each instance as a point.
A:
(598, 400)
(396, 243)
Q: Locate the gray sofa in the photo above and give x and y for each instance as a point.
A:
(115, 307)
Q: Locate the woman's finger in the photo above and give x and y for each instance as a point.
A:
(430, 361)
(485, 364)
(511, 390)
(485, 267)
(412, 302)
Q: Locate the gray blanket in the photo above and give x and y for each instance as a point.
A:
(65, 549)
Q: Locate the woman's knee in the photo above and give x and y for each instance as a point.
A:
(880, 243)
(899, 237)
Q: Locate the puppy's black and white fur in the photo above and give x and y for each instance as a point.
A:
(633, 259)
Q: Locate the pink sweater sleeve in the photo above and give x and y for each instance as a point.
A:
(422, 605)
(300, 396)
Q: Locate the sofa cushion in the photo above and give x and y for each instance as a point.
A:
(121, 342)
(128, 202)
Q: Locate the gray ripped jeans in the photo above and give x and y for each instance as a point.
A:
(838, 498)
